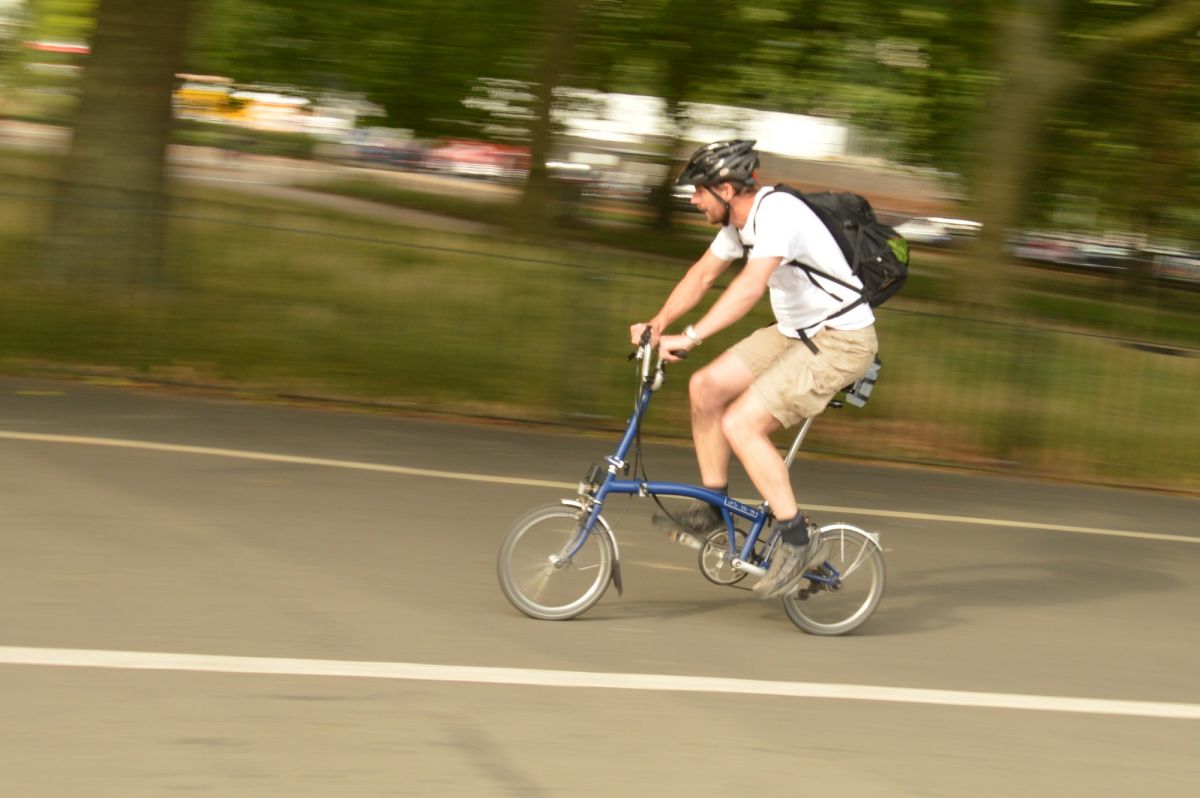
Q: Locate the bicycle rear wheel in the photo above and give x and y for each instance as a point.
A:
(537, 571)
(843, 584)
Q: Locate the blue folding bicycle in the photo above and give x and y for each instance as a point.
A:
(558, 560)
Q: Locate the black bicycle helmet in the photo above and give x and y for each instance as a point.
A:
(731, 161)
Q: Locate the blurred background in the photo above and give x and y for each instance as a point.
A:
(460, 206)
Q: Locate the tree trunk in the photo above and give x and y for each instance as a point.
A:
(561, 15)
(110, 213)
(664, 196)
(1033, 81)
(1010, 147)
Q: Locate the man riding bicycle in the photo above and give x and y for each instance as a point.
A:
(779, 375)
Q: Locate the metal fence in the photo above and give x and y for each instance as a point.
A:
(314, 302)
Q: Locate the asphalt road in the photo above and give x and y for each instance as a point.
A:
(266, 600)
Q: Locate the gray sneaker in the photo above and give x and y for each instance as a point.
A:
(787, 566)
(692, 525)
(700, 518)
(807, 559)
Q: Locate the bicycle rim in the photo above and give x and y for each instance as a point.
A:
(537, 576)
(849, 557)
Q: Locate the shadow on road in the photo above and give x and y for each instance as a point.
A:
(941, 598)
(930, 600)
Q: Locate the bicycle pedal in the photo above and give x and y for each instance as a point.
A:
(685, 539)
(674, 533)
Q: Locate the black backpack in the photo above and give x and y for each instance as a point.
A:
(877, 254)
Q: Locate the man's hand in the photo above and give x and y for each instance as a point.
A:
(670, 345)
(638, 330)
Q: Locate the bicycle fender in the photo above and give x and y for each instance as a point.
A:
(871, 536)
(603, 526)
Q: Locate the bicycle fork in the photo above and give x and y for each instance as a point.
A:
(590, 522)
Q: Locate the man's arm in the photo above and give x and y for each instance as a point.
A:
(686, 295)
(734, 303)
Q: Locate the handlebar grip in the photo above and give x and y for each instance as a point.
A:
(647, 334)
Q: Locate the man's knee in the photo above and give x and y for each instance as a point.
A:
(712, 388)
(733, 426)
(707, 391)
(747, 418)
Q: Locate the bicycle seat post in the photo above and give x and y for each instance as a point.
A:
(791, 455)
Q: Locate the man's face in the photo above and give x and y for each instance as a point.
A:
(705, 199)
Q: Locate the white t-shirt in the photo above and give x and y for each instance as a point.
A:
(784, 227)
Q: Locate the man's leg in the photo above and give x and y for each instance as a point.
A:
(711, 390)
(747, 426)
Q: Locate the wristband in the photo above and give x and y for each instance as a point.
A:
(690, 332)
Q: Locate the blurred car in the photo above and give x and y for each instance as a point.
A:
(925, 231)
(1043, 248)
(400, 155)
(959, 228)
(1174, 264)
(1074, 250)
(1106, 256)
(479, 159)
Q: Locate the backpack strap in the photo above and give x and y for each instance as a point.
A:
(851, 255)
(810, 271)
(804, 339)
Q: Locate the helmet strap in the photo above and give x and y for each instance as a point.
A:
(720, 199)
(725, 216)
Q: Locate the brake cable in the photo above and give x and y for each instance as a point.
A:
(639, 463)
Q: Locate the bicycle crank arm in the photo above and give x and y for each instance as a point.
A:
(739, 564)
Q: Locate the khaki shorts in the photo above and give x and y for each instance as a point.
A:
(795, 383)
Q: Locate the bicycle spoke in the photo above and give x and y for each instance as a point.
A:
(838, 596)
(549, 569)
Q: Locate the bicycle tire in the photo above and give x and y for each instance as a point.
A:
(538, 584)
(818, 608)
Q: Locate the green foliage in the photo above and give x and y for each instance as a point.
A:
(237, 139)
(61, 20)
(1110, 87)
(1124, 154)
(419, 59)
(916, 79)
(286, 299)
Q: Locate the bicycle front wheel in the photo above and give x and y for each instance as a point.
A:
(842, 585)
(546, 572)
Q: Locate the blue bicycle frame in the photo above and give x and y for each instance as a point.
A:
(546, 541)
(596, 489)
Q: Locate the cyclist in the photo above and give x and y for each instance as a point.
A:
(780, 374)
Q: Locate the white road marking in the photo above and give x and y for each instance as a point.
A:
(658, 566)
(413, 671)
(242, 454)
(967, 519)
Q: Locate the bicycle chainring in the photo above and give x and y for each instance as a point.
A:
(714, 557)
